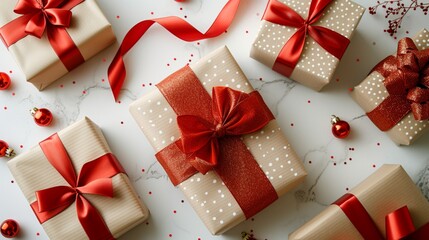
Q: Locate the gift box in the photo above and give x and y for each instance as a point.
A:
(395, 93)
(49, 41)
(218, 141)
(76, 187)
(384, 205)
(305, 40)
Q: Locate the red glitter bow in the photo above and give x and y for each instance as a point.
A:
(234, 113)
(333, 42)
(399, 224)
(94, 178)
(407, 82)
(40, 16)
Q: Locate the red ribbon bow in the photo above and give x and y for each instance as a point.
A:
(399, 224)
(95, 178)
(233, 114)
(333, 42)
(52, 16)
(407, 82)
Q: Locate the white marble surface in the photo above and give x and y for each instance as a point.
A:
(334, 165)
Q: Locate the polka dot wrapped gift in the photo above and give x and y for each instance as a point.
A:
(218, 141)
(76, 187)
(50, 39)
(305, 39)
(395, 94)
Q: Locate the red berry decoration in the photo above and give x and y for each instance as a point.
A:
(340, 128)
(5, 150)
(9, 228)
(4, 81)
(43, 117)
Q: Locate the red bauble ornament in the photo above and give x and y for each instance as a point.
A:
(43, 117)
(4, 81)
(9, 228)
(340, 128)
(5, 150)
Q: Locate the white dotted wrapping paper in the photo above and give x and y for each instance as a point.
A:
(371, 92)
(316, 66)
(208, 195)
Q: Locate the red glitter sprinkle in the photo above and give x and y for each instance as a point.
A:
(84, 92)
(291, 124)
(11, 181)
(309, 101)
(5, 108)
(10, 71)
(150, 193)
(378, 144)
(335, 164)
(309, 162)
(174, 211)
(185, 16)
(13, 94)
(170, 235)
(143, 170)
(151, 13)
(21, 146)
(37, 234)
(332, 157)
(117, 16)
(122, 122)
(373, 165)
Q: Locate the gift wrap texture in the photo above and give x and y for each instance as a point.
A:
(89, 30)
(84, 142)
(208, 195)
(316, 66)
(371, 92)
(385, 191)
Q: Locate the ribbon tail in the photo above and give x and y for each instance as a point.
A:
(291, 52)
(45, 216)
(91, 220)
(174, 25)
(64, 47)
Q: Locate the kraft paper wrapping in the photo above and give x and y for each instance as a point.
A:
(316, 66)
(208, 195)
(371, 92)
(386, 190)
(89, 29)
(84, 142)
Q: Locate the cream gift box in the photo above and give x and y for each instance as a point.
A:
(371, 93)
(210, 198)
(315, 66)
(89, 30)
(83, 142)
(386, 190)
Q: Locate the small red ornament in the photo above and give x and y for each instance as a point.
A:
(340, 128)
(9, 228)
(43, 117)
(5, 150)
(4, 81)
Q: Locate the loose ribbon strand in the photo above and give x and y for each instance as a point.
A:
(178, 27)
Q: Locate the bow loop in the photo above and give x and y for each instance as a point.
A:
(234, 113)
(36, 25)
(27, 7)
(55, 197)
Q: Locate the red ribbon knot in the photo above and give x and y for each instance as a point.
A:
(279, 13)
(234, 113)
(407, 82)
(50, 16)
(94, 178)
(399, 224)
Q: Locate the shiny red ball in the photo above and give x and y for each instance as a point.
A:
(43, 117)
(4, 81)
(3, 148)
(9, 228)
(341, 129)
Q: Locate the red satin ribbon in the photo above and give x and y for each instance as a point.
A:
(95, 177)
(333, 42)
(52, 16)
(211, 130)
(178, 27)
(399, 225)
(407, 82)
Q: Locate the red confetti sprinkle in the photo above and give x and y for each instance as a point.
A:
(147, 223)
(143, 85)
(170, 235)
(143, 170)
(181, 9)
(347, 189)
(119, 101)
(102, 80)
(174, 59)
(253, 219)
(308, 101)
(247, 31)
(21, 146)
(378, 144)
(174, 211)
(10, 71)
(61, 86)
(350, 159)
(357, 60)
(192, 55)
(198, 43)
(291, 124)
(84, 92)
(260, 79)
(332, 157)
(150, 193)
(5, 108)
(183, 201)
(335, 164)
(117, 16)
(11, 181)
(168, 64)
(350, 89)
(185, 16)
(309, 162)
(37, 234)
(104, 60)
(345, 163)
(13, 94)
(151, 13)
(74, 82)
(150, 84)
(337, 79)
(373, 165)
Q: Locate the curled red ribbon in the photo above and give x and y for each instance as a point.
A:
(279, 13)
(95, 177)
(178, 27)
(399, 224)
(407, 82)
(50, 16)
(211, 130)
